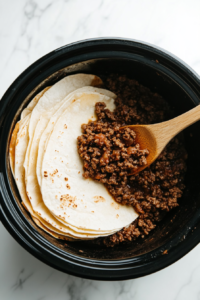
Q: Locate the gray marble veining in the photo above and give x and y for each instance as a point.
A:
(32, 28)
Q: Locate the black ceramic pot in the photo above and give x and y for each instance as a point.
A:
(161, 72)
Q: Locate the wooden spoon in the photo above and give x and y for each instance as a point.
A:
(155, 137)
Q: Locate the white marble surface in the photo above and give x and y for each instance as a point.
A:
(32, 28)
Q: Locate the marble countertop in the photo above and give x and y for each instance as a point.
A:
(28, 30)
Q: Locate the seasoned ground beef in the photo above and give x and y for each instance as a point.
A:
(110, 153)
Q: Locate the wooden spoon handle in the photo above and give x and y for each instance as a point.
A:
(165, 131)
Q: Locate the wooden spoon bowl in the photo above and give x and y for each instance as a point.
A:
(155, 137)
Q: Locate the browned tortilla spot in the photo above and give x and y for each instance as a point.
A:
(115, 205)
(67, 200)
(54, 173)
(99, 199)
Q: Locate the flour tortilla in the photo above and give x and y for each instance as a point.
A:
(48, 124)
(19, 142)
(33, 103)
(18, 125)
(44, 225)
(61, 237)
(84, 203)
(32, 187)
(54, 95)
(54, 228)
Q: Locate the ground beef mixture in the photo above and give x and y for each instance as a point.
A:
(109, 153)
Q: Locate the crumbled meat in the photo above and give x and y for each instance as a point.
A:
(106, 153)
(110, 153)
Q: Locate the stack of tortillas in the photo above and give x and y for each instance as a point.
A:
(48, 170)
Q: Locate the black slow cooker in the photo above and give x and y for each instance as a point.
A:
(179, 231)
